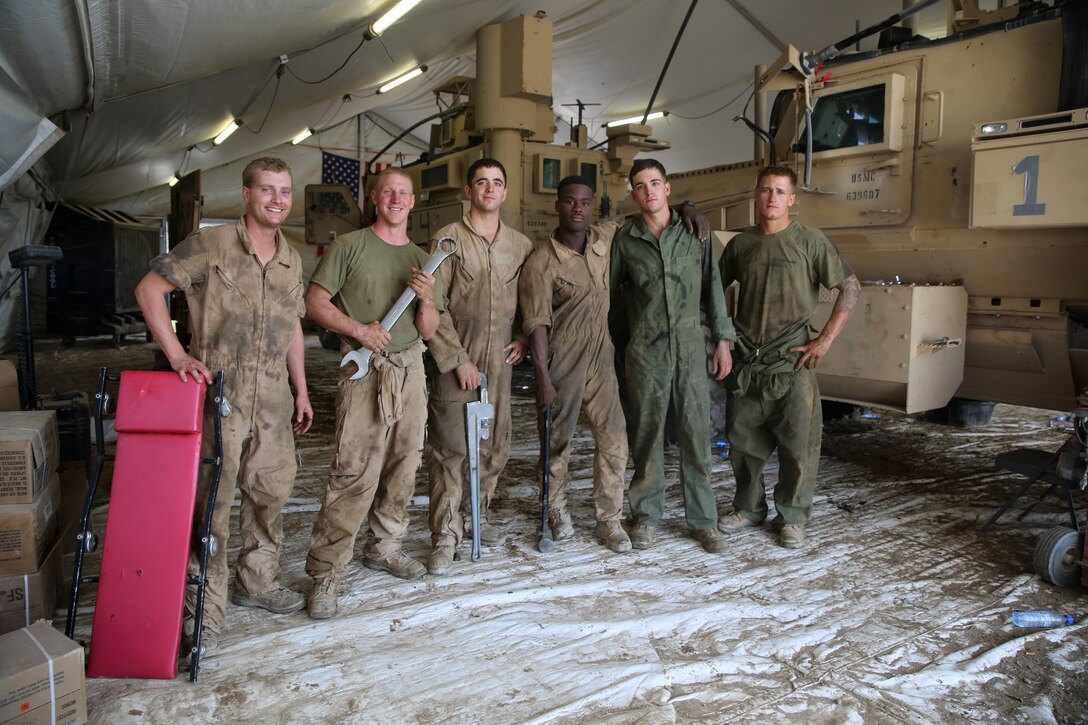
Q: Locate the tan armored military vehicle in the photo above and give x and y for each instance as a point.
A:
(951, 176)
(503, 113)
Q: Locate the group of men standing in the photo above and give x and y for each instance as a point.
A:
(652, 283)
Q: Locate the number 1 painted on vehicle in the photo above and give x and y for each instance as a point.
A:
(1029, 167)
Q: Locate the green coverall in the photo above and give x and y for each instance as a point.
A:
(662, 288)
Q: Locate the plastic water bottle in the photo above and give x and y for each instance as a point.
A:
(1041, 619)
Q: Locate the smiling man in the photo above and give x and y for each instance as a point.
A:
(244, 287)
(480, 286)
(663, 281)
(380, 418)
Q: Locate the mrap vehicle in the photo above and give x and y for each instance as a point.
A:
(947, 171)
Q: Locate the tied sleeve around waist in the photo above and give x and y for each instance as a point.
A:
(391, 371)
(768, 366)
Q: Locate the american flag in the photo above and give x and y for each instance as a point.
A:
(340, 170)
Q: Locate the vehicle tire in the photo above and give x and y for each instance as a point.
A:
(833, 410)
(1057, 554)
(962, 413)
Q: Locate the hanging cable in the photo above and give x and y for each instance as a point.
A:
(330, 75)
(719, 109)
(275, 92)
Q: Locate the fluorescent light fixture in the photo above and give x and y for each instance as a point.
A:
(415, 72)
(226, 132)
(394, 14)
(172, 181)
(302, 136)
(636, 119)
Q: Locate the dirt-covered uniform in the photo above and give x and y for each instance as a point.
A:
(661, 288)
(480, 285)
(243, 319)
(568, 293)
(770, 405)
(380, 418)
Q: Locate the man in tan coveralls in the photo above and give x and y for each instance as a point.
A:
(244, 287)
(380, 418)
(564, 298)
(477, 335)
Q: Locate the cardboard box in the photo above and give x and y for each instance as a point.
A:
(27, 531)
(9, 386)
(26, 598)
(41, 678)
(29, 454)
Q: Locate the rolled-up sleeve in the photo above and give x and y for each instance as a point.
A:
(186, 265)
(535, 295)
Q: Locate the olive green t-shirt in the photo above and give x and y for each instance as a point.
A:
(780, 277)
(366, 275)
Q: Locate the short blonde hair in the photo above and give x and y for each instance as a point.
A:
(265, 163)
(391, 171)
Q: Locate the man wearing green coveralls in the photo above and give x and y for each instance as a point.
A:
(773, 397)
(662, 280)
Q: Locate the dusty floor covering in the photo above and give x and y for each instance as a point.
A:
(893, 612)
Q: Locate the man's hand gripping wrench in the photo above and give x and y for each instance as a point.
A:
(445, 247)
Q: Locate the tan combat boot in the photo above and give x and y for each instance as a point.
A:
(613, 536)
(561, 523)
(396, 563)
(642, 536)
(440, 561)
(321, 603)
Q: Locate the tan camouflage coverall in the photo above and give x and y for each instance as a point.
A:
(243, 319)
(380, 418)
(481, 285)
(568, 293)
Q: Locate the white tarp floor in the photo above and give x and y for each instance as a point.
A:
(895, 611)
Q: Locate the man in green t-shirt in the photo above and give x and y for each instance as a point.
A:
(380, 418)
(774, 401)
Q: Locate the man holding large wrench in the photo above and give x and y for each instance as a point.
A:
(380, 416)
(475, 338)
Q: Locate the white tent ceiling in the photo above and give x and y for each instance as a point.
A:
(141, 86)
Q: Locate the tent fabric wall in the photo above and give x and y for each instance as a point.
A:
(137, 82)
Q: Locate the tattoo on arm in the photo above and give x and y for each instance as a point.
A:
(849, 294)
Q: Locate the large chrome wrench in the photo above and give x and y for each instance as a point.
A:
(443, 248)
(479, 415)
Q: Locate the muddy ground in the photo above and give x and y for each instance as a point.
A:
(895, 610)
